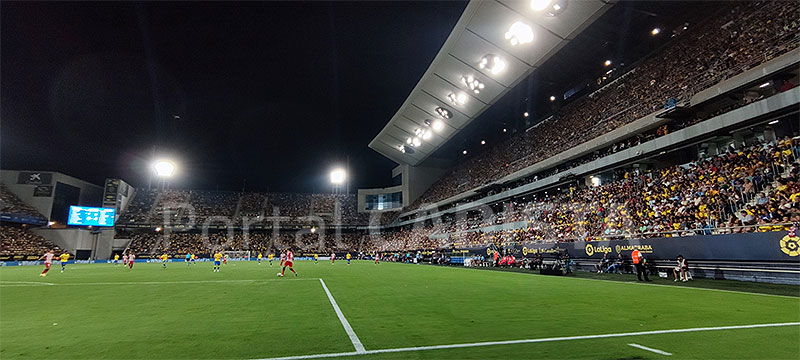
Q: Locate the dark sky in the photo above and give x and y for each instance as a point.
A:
(276, 93)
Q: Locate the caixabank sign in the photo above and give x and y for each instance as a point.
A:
(768, 246)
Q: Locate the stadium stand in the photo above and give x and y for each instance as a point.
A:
(731, 42)
(17, 240)
(10, 204)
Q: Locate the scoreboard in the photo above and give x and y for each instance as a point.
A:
(94, 216)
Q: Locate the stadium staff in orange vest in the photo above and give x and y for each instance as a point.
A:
(638, 263)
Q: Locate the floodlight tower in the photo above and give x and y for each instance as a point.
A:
(338, 180)
(164, 170)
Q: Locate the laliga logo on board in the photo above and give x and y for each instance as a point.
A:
(591, 249)
(790, 244)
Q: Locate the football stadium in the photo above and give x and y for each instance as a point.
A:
(534, 179)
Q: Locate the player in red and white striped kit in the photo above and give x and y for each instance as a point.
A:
(283, 257)
(48, 261)
(288, 262)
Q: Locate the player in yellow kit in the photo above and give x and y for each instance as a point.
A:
(259, 258)
(348, 258)
(63, 257)
(217, 258)
(116, 260)
(269, 257)
(316, 259)
(164, 258)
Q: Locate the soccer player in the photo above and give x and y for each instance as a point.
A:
(131, 257)
(63, 257)
(269, 257)
(333, 257)
(48, 261)
(188, 259)
(164, 258)
(283, 257)
(316, 259)
(288, 262)
(124, 259)
(194, 257)
(377, 258)
(217, 258)
(225, 260)
(116, 259)
(348, 258)
(259, 258)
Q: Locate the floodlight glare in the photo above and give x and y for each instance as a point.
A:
(464, 152)
(337, 176)
(764, 85)
(655, 31)
(493, 63)
(457, 99)
(426, 135)
(525, 114)
(164, 168)
(519, 33)
(607, 63)
(539, 5)
(472, 83)
(483, 142)
(438, 125)
(416, 141)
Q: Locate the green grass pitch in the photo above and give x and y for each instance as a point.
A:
(246, 311)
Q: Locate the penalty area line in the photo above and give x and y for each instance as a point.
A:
(235, 281)
(349, 330)
(529, 341)
(650, 349)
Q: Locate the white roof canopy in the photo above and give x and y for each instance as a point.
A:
(480, 32)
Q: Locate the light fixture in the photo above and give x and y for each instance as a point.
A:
(164, 168)
(763, 85)
(773, 122)
(427, 122)
(504, 130)
(457, 99)
(483, 142)
(552, 98)
(464, 152)
(655, 31)
(337, 176)
(408, 141)
(525, 114)
(313, 230)
(444, 113)
(472, 83)
(519, 33)
(539, 5)
(493, 63)
(401, 148)
(607, 63)
(416, 142)
(438, 125)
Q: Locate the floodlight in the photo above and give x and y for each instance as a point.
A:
(493, 63)
(457, 99)
(444, 113)
(472, 83)
(764, 85)
(416, 142)
(552, 98)
(438, 125)
(519, 33)
(164, 168)
(539, 5)
(655, 31)
(464, 152)
(525, 114)
(483, 142)
(607, 63)
(337, 176)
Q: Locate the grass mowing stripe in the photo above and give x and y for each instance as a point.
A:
(540, 340)
(349, 330)
(650, 349)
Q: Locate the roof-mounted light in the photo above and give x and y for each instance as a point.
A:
(493, 63)
(444, 113)
(519, 33)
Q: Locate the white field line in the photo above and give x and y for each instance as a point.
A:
(349, 330)
(650, 349)
(528, 341)
(33, 283)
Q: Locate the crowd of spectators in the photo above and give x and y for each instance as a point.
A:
(17, 240)
(12, 205)
(739, 37)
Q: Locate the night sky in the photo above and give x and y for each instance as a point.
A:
(275, 93)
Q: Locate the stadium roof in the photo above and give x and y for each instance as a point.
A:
(482, 31)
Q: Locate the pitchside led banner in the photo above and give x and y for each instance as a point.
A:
(94, 216)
